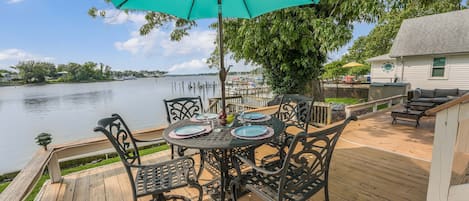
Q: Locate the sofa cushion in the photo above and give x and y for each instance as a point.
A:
(425, 100)
(427, 93)
(439, 100)
(446, 92)
(462, 92)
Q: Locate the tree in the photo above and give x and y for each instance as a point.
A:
(34, 72)
(379, 40)
(290, 44)
(334, 70)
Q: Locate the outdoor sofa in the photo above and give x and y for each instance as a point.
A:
(436, 96)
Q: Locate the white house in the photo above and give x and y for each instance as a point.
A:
(428, 52)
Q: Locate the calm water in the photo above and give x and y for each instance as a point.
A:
(70, 111)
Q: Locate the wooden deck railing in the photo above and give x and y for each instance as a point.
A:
(25, 181)
(321, 112)
(374, 104)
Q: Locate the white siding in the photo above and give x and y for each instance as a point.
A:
(417, 72)
(378, 75)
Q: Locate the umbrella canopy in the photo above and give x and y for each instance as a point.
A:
(198, 9)
(352, 64)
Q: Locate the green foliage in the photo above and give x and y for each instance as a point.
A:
(3, 186)
(292, 44)
(67, 171)
(334, 70)
(347, 101)
(34, 72)
(380, 39)
(360, 70)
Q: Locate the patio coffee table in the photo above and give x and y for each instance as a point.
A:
(222, 145)
(419, 106)
(407, 114)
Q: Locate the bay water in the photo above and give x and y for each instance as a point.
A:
(70, 111)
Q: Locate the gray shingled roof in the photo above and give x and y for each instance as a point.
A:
(384, 57)
(445, 33)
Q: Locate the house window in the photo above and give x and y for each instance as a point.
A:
(438, 69)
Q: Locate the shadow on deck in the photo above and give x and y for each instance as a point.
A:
(374, 160)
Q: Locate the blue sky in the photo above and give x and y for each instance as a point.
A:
(61, 31)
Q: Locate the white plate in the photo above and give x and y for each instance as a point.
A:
(206, 116)
(189, 130)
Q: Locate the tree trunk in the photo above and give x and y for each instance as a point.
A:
(314, 89)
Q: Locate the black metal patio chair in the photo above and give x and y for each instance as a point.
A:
(295, 111)
(179, 109)
(150, 179)
(301, 174)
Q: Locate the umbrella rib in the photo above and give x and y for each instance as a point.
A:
(247, 9)
(190, 11)
(121, 4)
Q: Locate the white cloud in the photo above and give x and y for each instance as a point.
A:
(21, 55)
(114, 16)
(196, 42)
(193, 66)
(14, 1)
(137, 43)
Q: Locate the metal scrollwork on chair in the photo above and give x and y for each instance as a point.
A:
(179, 109)
(148, 178)
(300, 174)
(183, 108)
(295, 111)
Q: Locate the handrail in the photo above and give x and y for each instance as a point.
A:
(25, 181)
(374, 104)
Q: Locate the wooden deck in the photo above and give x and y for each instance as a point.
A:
(374, 160)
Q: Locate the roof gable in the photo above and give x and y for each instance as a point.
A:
(445, 33)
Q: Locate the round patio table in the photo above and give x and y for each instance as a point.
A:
(222, 144)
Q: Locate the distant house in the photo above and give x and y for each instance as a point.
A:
(428, 52)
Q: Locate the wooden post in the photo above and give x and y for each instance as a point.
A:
(348, 113)
(446, 128)
(375, 107)
(329, 114)
(390, 103)
(54, 169)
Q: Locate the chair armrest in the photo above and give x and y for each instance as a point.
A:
(257, 168)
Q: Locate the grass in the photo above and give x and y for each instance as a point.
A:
(3, 186)
(67, 171)
(347, 101)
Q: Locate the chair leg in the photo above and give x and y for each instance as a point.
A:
(172, 152)
(326, 192)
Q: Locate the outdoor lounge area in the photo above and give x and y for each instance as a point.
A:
(373, 160)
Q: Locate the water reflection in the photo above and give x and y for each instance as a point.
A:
(88, 98)
(51, 103)
(41, 104)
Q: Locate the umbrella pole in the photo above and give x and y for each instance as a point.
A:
(223, 72)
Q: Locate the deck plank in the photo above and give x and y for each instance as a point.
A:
(374, 160)
(82, 190)
(96, 186)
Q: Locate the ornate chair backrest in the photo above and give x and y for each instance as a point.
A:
(295, 110)
(115, 129)
(182, 108)
(308, 159)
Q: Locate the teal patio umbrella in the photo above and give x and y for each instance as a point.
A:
(199, 9)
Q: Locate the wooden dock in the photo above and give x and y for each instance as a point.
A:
(374, 160)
